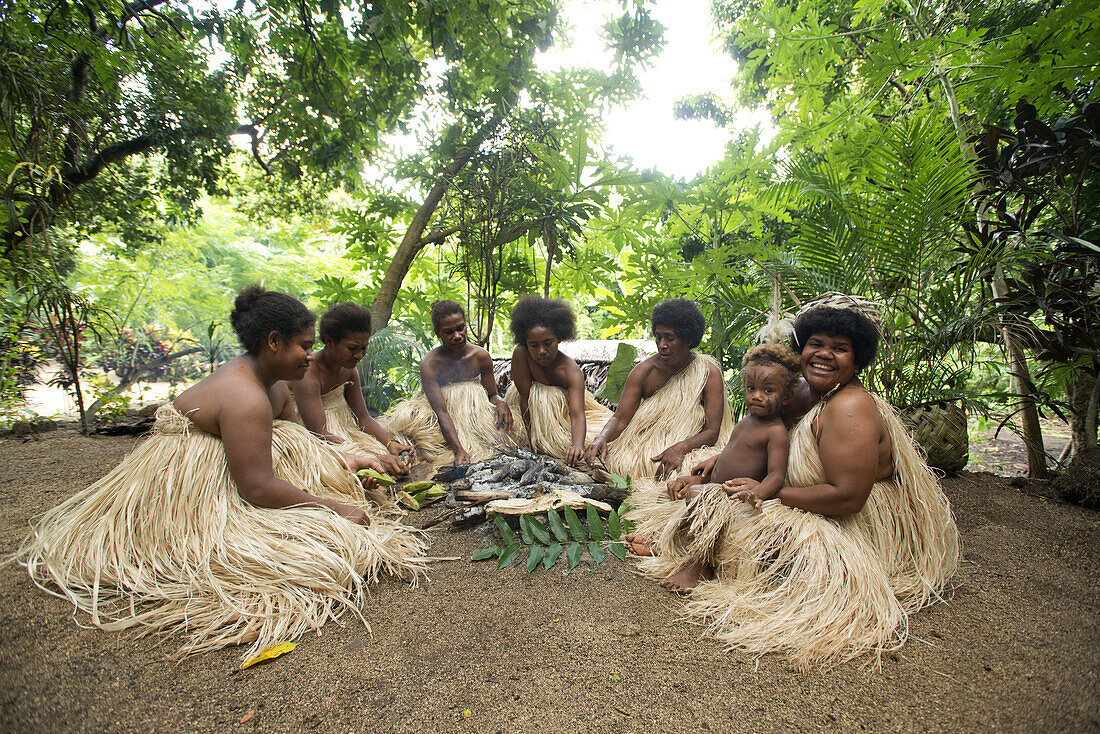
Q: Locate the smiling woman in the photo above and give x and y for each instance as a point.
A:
(859, 536)
(232, 523)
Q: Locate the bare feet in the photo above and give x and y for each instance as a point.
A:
(684, 581)
(639, 546)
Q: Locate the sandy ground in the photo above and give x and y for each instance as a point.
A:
(598, 649)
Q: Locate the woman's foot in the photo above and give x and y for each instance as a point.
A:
(639, 546)
(684, 581)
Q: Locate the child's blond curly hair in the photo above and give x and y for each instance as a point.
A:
(779, 354)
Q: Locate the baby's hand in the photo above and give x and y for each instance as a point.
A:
(747, 495)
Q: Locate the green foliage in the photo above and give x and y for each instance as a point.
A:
(612, 387)
(390, 371)
(544, 550)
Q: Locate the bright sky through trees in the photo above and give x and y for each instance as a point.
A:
(691, 63)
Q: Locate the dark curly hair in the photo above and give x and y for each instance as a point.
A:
(839, 322)
(443, 309)
(776, 354)
(343, 319)
(683, 317)
(553, 313)
(258, 312)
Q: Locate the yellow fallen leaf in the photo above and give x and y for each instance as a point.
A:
(270, 653)
(247, 717)
(467, 713)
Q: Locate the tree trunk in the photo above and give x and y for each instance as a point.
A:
(1033, 433)
(414, 241)
(1084, 397)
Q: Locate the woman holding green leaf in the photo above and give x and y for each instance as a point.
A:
(547, 387)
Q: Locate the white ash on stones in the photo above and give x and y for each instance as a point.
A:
(515, 473)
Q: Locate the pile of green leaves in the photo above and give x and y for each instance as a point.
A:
(546, 542)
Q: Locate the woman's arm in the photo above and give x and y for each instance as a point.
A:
(489, 382)
(353, 393)
(429, 383)
(307, 395)
(577, 419)
(714, 398)
(521, 378)
(246, 435)
(624, 413)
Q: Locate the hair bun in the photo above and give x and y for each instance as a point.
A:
(245, 301)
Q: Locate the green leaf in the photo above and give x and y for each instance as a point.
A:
(618, 550)
(556, 525)
(618, 481)
(596, 551)
(614, 527)
(573, 554)
(505, 531)
(595, 524)
(552, 553)
(525, 530)
(534, 557)
(612, 388)
(509, 556)
(482, 554)
(576, 529)
(539, 530)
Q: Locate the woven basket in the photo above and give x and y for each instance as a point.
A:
(940, 429)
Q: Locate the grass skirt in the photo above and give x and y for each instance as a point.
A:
(341, 421)
(670, 415)
(414, 421)
(166, 543)
(821, 589)
(551, 433)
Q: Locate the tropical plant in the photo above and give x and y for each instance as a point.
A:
(546, 542)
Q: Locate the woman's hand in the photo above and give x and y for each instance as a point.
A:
(395, 447)
(669, 460)
(393, 465)
(597, 450)
(354, 514)
(504, 414)
(461, 458)
(573, 454)
(678, 487)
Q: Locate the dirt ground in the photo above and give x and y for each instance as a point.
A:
(598, 649)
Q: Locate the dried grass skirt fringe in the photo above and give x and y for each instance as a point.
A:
(821, 589)
(165, 543)
(672, 414)
(341, 421)
(413, 421)
(550, 431)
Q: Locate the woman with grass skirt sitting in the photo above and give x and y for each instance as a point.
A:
(672, 403)
(232, 523)
(859, 536)
(547, 388)
(330, 396)
(457, 417)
